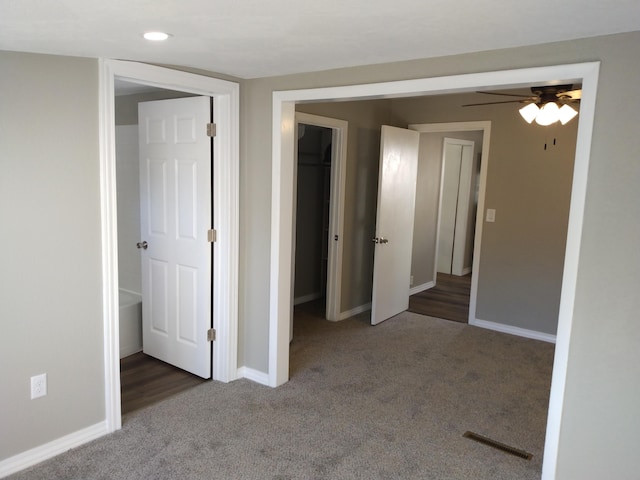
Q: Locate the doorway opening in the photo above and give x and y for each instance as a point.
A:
(313, 189)
(225, 97)
(312, 212)
(435, 293)
(144, 379)
(283, 112)
(320, 152)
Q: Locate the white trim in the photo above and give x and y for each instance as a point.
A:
(307, 298)
(485, 127)
(571, 263)
(282, 203)
(510, 329)
(253, 375)
(109, 233)
(354, 311)
(51, 449)
(340, 132)
(422, 288)
(225, 96)
(466, 271)
(282, 158)
(451, 127)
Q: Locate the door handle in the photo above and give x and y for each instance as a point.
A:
(379, 240)
(142, 245)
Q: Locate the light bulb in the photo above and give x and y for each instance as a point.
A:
(529, 112)
(156, 36)
(566, 113)
(549, 113)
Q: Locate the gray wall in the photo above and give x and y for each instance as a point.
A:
(128, 193)
(50, 256)
(604, 364)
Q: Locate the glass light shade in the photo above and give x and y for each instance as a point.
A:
(549, 113)
(566, 113)
(529, 112)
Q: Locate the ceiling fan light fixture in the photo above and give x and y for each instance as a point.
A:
(566, 113)
(529, 112)
(549, 113)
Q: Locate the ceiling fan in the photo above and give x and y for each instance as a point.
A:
(546, 105)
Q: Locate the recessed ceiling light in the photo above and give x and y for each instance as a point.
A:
(156, 36)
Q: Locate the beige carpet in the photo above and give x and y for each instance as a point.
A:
(384, 402)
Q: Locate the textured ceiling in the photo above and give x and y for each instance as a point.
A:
(256, 38)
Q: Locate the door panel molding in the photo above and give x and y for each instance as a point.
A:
(186, 211)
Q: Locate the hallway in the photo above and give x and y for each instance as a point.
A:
(449, 299)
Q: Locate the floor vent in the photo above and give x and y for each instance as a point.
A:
(500, 446)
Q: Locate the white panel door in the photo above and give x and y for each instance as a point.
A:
(455, 196)
(463, 211)
(448, 205)
(394, 222)
(175, 203)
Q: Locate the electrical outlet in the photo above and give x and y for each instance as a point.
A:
(38, 386)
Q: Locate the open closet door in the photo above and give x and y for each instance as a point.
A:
(394, 222)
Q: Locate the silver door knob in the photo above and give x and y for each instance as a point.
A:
(379, 240)
(142, 245)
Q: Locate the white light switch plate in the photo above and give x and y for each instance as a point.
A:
(491, 214)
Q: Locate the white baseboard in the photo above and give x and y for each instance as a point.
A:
(421, 288)
(520, 332)
(254, 375)
(354, 311)
(307, 298)
(49, 450)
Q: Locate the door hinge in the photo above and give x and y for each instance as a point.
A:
(211, 335)
(211, 129)
(211, 235)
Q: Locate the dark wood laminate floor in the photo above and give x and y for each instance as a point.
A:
(145, 380)
(449, 299)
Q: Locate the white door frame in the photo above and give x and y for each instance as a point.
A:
(281, 206)
(485, 127)
(225, 96)
(339, 130)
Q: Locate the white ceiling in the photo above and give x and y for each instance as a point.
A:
(256, 38)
